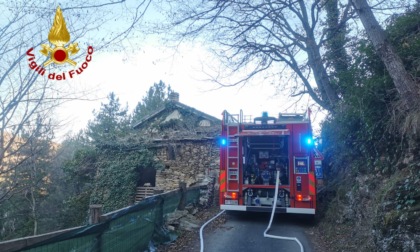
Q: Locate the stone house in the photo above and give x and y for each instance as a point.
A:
(184, 140)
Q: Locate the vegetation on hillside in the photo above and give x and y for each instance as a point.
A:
(31, 179)
(58, 182)
(372, 151)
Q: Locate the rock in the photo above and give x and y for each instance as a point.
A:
(194, 211)
(189, 223)
(189, 208)
(186, 225)
(184, 220)
(175, 216)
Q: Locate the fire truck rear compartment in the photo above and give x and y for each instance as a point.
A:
(262, 157)
(252, 152)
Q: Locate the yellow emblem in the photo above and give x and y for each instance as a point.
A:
(59, 36)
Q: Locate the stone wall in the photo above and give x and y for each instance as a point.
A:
(189, 161)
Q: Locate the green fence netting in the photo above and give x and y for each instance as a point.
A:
(193, 195)
(129, 229)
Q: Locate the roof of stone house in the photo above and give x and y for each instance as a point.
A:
(175, 104)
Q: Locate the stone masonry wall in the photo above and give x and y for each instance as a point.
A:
(191, 162)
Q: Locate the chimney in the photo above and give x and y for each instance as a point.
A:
(174, 96)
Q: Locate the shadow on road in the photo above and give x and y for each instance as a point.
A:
(302, 220)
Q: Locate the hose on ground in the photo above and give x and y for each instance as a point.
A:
(272, 215)
(268, 227)
(203, 226)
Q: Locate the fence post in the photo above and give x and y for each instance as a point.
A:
(183, 190)
(95, 212)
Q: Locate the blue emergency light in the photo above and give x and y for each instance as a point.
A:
(309, 141)
(223, 141)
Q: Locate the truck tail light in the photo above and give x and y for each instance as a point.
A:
(300, 197)
(231, 195)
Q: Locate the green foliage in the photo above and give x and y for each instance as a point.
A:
(362, 132)
(80, 172)
(107, 171)
(111, 122)
(117, 175)
(336, 56)
(23, 214)
(170, 124)
(82, 167)
(104, 175)
(358, 135)
(400, 203)
(358, 132)
(154, 99)
(408, 193)
(404, 31)
(75, 210)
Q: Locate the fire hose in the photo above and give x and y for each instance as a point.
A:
(202, 227)
(268, 227)
(272, 215)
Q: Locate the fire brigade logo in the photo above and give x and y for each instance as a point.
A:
(59, 36)
(59, 54)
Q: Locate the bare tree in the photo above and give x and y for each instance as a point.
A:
(25, 93)
(270, 37)
(303, 39)
(403, 81)
(33, 172)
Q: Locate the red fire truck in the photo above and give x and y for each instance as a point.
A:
(252, 151)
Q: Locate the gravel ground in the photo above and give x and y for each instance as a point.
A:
(189, 241)
(315, 234)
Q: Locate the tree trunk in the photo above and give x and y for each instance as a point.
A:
(34, 215)
(405, 85)
(327, 92)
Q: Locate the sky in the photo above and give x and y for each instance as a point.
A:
(129, 74)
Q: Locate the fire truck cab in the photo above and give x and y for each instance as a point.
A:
(251, 153)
